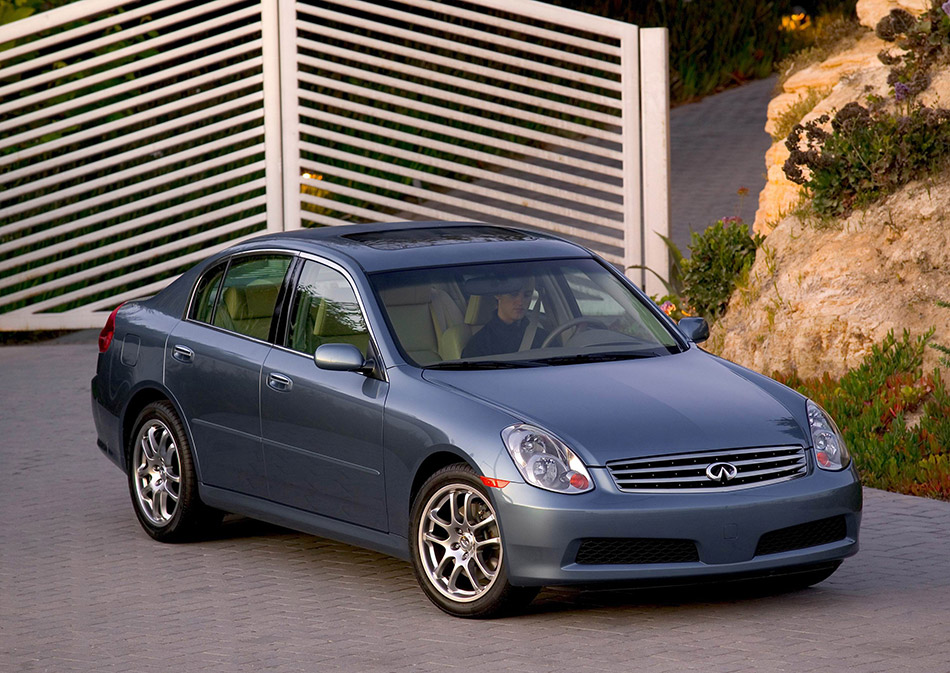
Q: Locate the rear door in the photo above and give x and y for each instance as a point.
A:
(213, 364)
(322, 430)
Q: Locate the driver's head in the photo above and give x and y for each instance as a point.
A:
(513, 305)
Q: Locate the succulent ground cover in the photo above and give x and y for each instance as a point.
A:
(895, 417)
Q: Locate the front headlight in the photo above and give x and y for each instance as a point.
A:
(544, 460)
(830, 450)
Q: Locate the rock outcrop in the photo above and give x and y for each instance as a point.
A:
(817, 299)
(851, 75)
(819, 296)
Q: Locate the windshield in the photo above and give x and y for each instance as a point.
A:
(518, 314)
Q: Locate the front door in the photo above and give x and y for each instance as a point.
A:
(322, 430)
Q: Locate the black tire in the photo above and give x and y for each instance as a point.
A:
(164, 485)
(461, 534)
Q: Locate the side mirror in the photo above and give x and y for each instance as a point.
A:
(694, 329)
(339, 358)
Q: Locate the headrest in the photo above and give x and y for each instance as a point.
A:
(404, 296)
(261, 299)
(336, 319)
(480, 309)
(236, 303)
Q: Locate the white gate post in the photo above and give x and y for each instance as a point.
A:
(630, 138)
(290, 113)
(273, 169)
(655, 97)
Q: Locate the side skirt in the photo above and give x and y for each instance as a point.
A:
(305, 522)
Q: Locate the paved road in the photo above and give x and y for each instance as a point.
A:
(717, 146)
(83, 589)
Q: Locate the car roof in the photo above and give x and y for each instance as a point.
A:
(401, 245)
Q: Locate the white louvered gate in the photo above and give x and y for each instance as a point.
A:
(135, 138)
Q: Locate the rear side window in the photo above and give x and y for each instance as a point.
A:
(248, 295)
(202, 308)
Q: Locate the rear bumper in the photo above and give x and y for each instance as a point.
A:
(543, 531)
(108, 427)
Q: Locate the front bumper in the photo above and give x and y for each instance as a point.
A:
(543, 531)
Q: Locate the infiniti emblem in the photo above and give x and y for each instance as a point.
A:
(722, 472)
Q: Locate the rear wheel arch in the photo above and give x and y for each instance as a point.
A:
(139, 400)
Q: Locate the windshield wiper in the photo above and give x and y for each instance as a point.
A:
(486, 364)
(595, 357)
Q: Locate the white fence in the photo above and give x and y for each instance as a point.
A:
(137, 138)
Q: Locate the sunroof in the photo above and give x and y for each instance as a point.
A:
(401, 239)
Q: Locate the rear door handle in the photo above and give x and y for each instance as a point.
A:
(279, 382)
(183, 354)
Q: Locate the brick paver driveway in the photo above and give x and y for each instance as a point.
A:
(83, 589)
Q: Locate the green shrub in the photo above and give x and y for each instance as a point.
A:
(872, 405)
(867, 154)
(719, 257)
(925, 41)
(793, 114)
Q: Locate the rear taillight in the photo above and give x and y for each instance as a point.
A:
(105, 336)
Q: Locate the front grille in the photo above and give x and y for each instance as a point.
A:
(687, 472)
(802, 536)
(620, 550)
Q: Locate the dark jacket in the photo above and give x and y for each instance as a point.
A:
(498, 337)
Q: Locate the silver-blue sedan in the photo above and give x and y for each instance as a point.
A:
(500, 407)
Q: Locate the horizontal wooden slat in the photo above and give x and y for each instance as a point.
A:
(575, 181)
(538, 50)
(89, 80)
(456, 115)
(434, 199)
(546, 14)
(470, 102)
(494, 176)
(69, 123)
(161, 162)
(113, 143)
(138, 187)
(109, 232)
(85, 47)
(128, 261)
(37, 238)
(463, 148)
(455, 64)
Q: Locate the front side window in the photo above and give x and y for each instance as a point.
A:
(527, 313)
(248, 295)
(324, 309)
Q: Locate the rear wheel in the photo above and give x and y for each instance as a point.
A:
(456, 547)
(162, 479)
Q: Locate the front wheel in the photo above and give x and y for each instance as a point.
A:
(162, 479)
(456, 547)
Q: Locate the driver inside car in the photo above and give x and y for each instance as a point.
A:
(511, 327)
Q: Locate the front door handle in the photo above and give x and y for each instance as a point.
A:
(183, 354)
(279, 382)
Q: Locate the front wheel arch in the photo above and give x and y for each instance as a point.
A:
(456, 547)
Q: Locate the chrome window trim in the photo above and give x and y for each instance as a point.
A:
(227, 260)
(311, 257)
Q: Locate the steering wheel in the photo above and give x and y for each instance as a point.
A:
(557, 331)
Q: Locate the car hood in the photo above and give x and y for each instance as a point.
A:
(606, 411)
